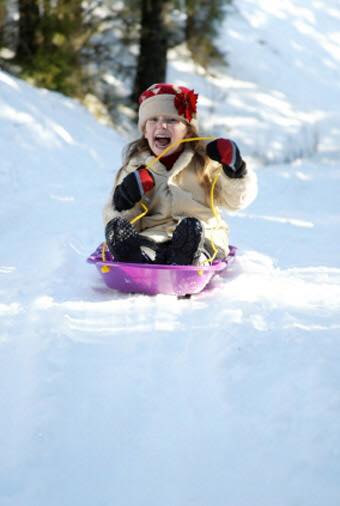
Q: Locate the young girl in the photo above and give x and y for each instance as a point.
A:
(181, 225)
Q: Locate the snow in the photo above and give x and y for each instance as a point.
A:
(229, 398)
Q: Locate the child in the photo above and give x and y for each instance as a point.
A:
(180, 226)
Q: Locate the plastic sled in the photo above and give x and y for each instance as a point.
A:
(153, 279)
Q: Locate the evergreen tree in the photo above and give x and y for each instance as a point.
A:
(153, 45)
(2, 20)
(29, 18)
(69, 46)
(51, 35)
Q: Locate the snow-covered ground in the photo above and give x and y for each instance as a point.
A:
(231, 398)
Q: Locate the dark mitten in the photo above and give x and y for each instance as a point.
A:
(132, 188)
(227, 153)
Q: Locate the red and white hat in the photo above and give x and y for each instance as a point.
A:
(163, 99)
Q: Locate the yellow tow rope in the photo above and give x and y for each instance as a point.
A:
(145, 207)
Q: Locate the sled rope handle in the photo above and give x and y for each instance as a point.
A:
(216, 215)
(104, 268)
(174, 144)
(140, 216)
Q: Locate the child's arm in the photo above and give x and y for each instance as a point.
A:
(226, 152)
(239, 187)
(132, 188)
(123, 188)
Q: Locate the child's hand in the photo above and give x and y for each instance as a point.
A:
(226, 152)
(132, 188)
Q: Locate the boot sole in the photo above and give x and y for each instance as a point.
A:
(186, 242)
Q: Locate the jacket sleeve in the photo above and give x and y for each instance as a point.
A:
(109, 212)
(238, 193)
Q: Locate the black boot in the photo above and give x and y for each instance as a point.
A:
(187, 241)
(124, 242)
(163, 253)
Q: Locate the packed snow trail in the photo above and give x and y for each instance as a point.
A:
(231, 397)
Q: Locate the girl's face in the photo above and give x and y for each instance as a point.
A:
(161, 131)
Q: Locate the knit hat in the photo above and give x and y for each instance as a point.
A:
(163, 99)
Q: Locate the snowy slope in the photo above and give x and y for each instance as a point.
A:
(230, 398)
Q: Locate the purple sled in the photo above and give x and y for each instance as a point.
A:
(152, 279)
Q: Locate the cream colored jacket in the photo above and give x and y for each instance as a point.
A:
(177, 194)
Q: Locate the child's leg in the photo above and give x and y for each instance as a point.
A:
(124, 242)
(163, 250)
(187, 242)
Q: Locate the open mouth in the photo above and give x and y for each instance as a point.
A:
(162, 141)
